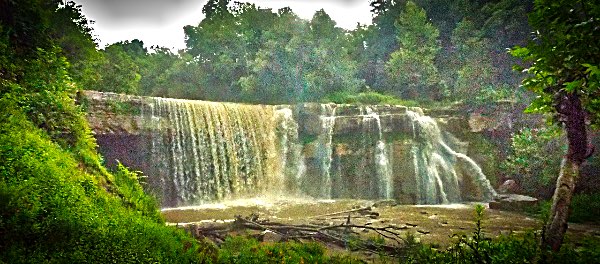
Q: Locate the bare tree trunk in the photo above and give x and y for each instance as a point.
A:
(559, 213)
(573, 116)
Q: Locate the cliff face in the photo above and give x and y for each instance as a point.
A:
(195, 152)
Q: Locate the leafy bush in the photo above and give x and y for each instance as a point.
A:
(535, 161)
(585, 208)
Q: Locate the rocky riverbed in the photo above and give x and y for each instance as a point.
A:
(428, 223)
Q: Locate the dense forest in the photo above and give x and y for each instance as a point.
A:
(60, 204)
(423, 51)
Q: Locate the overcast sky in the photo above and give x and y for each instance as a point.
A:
(161, 22)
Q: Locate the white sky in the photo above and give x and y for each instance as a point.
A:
(161, 22)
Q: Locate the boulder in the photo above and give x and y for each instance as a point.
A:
(509, 186)
(270, 236)
(513, 202)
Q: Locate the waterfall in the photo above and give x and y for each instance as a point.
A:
(208, 151)
(382, 161)
(327, 119)
(435, 164)
(292, 160)
(203, 152)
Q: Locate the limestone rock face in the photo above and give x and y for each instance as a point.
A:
(111, 113)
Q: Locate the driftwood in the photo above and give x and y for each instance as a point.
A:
(345, 234)
(361, 211)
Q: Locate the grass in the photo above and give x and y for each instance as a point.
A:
(368, 98)
(247, 250)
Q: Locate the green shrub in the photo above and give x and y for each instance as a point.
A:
(535, 159)
(585, 208)
(132, 194)
(247, 250)
(52, 210)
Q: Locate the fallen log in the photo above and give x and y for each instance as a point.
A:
(345, 234)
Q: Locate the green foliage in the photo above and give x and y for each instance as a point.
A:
(241, 52)
(119, 72)
(512, 248)
(411, 68)
(585, 208)
(123, 108)
(535, 159)
(367, 98)
(58, 203)
(300, 61)
(564, 54)
(54, 211)
(247, 250)
(128, 187)
(71, 31)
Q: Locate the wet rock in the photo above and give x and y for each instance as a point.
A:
(422, 231)
(348, 110)
(385, 203)
(513, 202)
(509, 186)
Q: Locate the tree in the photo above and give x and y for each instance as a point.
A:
(224, 45)
(331, 69)
(379, 41)
(412, 67)
(300, 61)
(475, 78)
(215, 9)
(564, 59)
(276, 73)
(118, 71)
(72, 32)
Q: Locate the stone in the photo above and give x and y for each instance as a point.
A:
(270, 236)
(513, 202)
(373, 215)
(385, 203)
(509, 186)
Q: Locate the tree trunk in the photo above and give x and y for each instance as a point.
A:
(574, 120)
(559, 213)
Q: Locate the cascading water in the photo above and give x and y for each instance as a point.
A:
(382, 161)
(435, 164)
(326, 148)
(206, 151)
(209, 151)
(292, 160)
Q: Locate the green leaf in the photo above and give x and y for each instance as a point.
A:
(520, 52)
(591, 69)
(539, 105)
(570, 87)
(518, 68)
